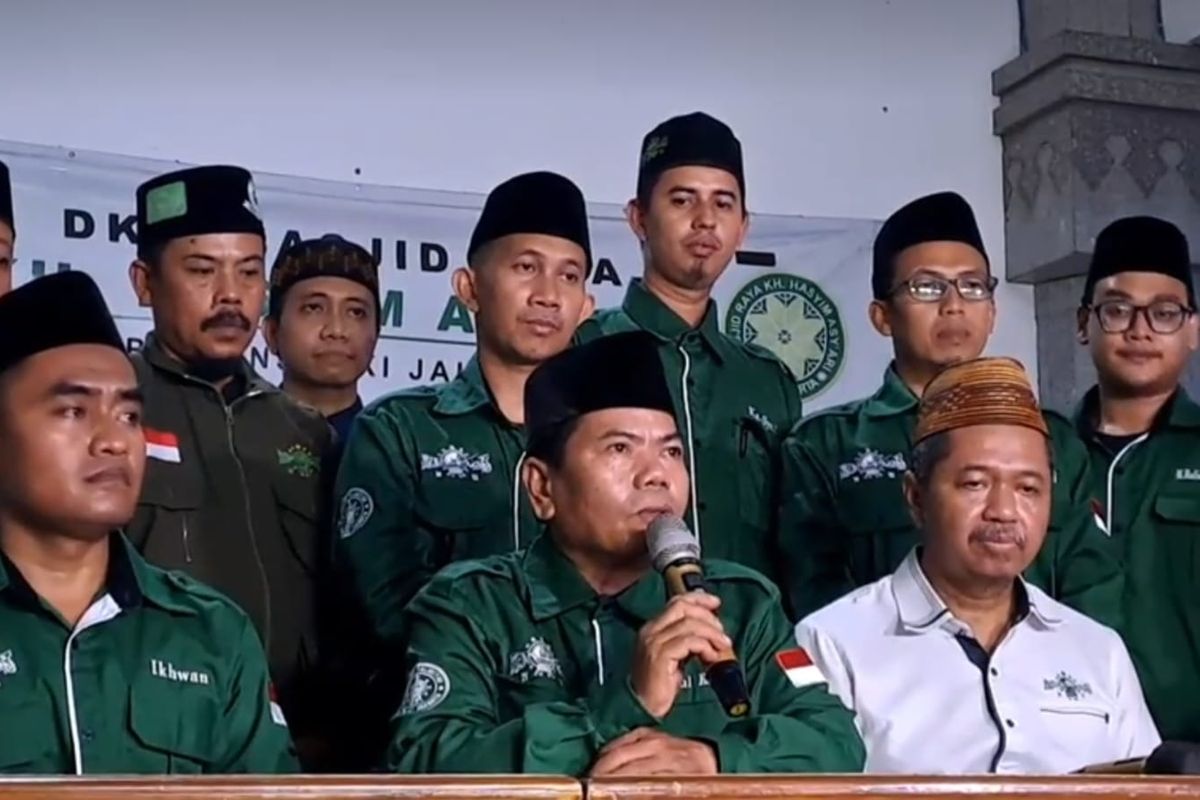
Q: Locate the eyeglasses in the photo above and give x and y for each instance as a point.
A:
(1163, 316)
(932, 289)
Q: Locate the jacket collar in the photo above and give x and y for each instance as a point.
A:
(920, 609)
(555, 586)
(158, 358)
(893, 398)
(653, 315)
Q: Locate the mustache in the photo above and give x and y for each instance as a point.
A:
(993, 533)
(226, 319)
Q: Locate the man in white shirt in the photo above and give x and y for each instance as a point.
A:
(953, 664)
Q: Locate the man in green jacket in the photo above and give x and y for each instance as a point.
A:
(233, 492)
(568, 657)
(843, 522)
(1138, 317)
(430, 474)
(107, 665)
(733, 401)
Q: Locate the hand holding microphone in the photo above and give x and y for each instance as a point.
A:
(687, 628)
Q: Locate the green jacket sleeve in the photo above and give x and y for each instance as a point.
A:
(380, 551)
(449, 722)
(1076, 564)
(816, 564)
(255, 733)
(792, 729)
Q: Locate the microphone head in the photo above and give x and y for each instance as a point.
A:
(669, 540)
(1174, 758)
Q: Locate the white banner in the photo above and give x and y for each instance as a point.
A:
(800, 287)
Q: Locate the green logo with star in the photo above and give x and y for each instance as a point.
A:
(298, 460)
(793, 318)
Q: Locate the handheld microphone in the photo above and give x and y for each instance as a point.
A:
(676, 554)
(1169, 758)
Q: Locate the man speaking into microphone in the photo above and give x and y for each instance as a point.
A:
(574, 656)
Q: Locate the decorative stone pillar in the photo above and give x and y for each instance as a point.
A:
(1099, 118)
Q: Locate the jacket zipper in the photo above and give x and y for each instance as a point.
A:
(258, 561)
(187, 545)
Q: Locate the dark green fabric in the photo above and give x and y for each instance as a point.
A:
(438, 466)
(527, 689)
(244, 511)
(134, 714)
(844, 522)
(742, 401)
(1153, 517)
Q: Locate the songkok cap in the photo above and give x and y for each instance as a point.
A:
(60, 309)
(536, 202)
(328, 257)
(941, 217)
(691, 140)
(983, 391)
(618, 371)
(194, 202)
(1140, 244)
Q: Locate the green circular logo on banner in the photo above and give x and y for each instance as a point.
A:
(793, 318)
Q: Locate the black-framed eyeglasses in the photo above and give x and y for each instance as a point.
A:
(1163, 316)
(933, 289)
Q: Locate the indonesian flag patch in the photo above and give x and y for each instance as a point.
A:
(162, 445)
(799, 667)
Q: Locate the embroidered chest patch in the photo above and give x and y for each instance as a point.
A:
(298, 460)
(869, 465)
(455, 462)
(535, 660)
(1067, 686)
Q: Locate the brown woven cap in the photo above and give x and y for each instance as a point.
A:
(985, 391)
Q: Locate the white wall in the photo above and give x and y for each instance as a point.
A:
(845, 107)
(1181, 20)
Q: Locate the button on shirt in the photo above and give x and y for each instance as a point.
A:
(1058, 693)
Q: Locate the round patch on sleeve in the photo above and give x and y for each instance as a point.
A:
(428, 685)
(355, 509)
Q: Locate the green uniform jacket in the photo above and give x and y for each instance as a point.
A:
(517, 666)
(161, 675)
(844, 522)
(733, 404)
(1152, 512)
(239, 504)
(428, 477)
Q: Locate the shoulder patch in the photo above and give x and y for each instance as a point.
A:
(799, 668)
(428, 685)
(354, 511)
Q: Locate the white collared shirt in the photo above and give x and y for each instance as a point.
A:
(1058, 693)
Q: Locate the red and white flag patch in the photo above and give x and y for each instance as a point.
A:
(799, 667)
(162, 445)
